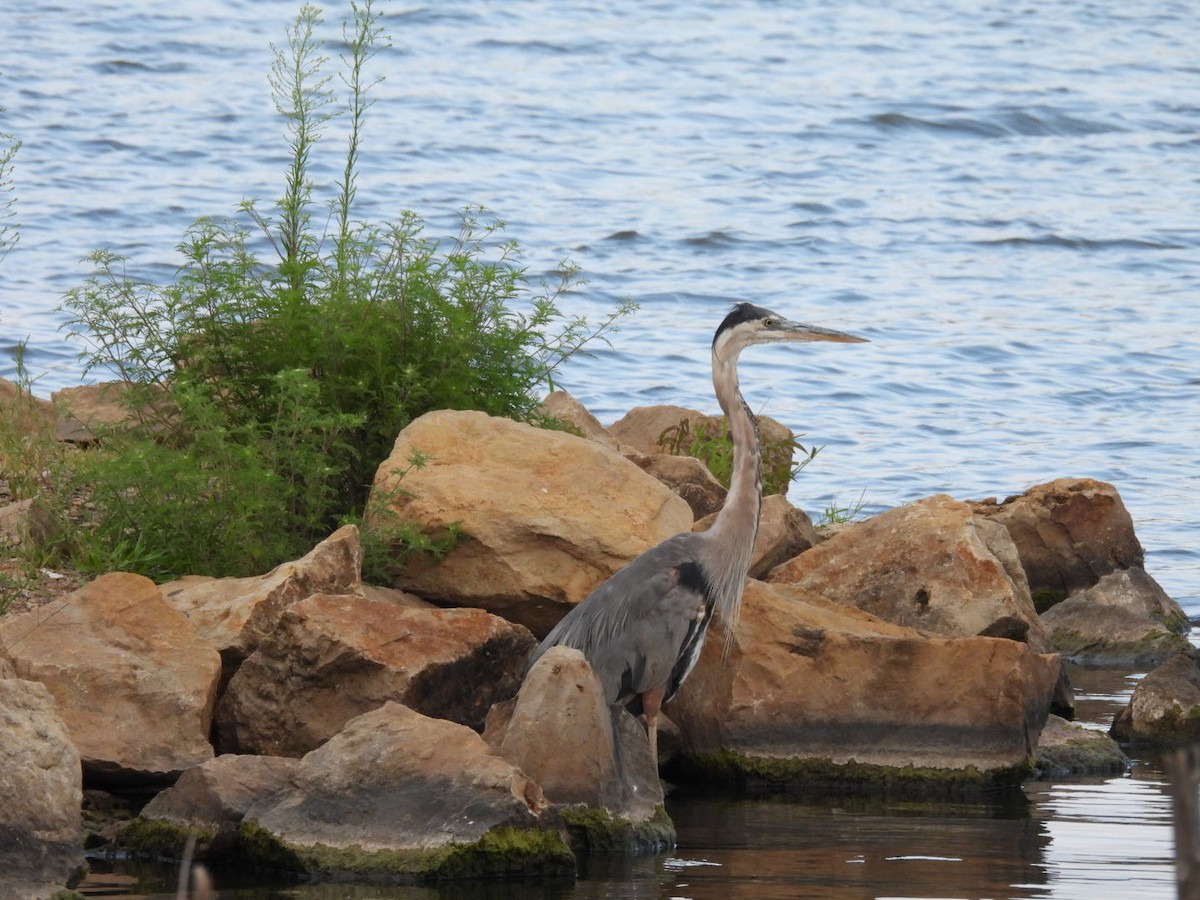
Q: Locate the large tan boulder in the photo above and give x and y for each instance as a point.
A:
(233, 615)
(41, 834)
(814, 690)
(85, 411)
(1069, 533)
(401, 796)
(336, 656)
(932, 565)
(134, 682)
(561, 406)
(544, 516)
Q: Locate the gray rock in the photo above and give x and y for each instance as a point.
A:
(1165, 707)
(1124, 619)
(1066, 749)
(399, 796)
(41, 833)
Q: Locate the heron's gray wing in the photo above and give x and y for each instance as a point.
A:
(634, 626)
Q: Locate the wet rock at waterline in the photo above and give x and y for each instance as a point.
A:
(932, 565)
(1066, 750)
(208, 802)
(396, 795)
(235, 614)
(1165, 707)
(41, 837)
(533, 538)
(560, 731)
(1124, 619)
(815, 691)
(334, 657)
(133, 681)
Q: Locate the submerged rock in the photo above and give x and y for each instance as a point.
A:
(399, 796)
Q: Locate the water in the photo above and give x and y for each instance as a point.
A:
(1001, 197)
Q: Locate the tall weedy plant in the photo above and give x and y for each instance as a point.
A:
(269, 390)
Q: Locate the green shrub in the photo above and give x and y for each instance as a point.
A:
(269, 390)
(713, 446)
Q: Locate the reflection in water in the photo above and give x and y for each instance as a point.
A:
(861, 847)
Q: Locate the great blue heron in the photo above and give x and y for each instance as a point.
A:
(642, 629)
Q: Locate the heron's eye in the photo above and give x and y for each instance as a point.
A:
(770, 322)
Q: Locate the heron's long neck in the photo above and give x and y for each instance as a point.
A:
(736, 524)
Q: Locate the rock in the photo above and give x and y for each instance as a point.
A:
(1165, 707)
(813, 691)
(1066, 749)
(932, 565)
(234, 614)
(208, 802)
(783, 532)
(336, 656)
(85, 412)
(23, 410)
(137, 688)
(534, 538)
(563, 735)
(690, 479)
(22, 522)
(41, 833)
(566, 409)
(1124, 619)
(1069, 533)
(399, 796)
(669, 429)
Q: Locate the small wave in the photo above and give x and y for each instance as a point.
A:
(997, 124)
(629, 234)
(1070, 243)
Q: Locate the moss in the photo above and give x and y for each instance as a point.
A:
(154, 837)
(1044, 598)
(500, 852)
(757, 772)
(597, 829)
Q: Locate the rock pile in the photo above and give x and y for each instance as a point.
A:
(307, 721)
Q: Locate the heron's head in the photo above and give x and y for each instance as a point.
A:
(748, 324)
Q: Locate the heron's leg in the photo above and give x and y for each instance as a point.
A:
(651, 703)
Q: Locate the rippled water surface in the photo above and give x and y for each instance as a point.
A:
(1002, 197)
